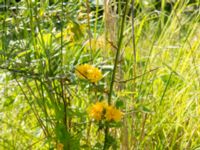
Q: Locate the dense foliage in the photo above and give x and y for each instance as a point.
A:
(112, 74)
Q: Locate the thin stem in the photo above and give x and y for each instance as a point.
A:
(106, 131)
(134, 66)
(133, 42)
(96, 18)
(106, 146)
(61, 40)
(33, 108)
(168, 81)
(117, 55)
(88, 24)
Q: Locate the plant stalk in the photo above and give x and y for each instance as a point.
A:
(119, 45)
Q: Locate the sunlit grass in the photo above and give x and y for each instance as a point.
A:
(45, 101)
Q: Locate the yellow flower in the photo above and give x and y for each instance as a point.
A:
(113, 113)
(89, 72)
(102, 110)
(82, 71)
(96, 110)
(94, 75)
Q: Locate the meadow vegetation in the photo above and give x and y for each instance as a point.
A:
(100, 75)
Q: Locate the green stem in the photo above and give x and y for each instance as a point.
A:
(106, 144)
(134, 46)
(168, 81)
(117, 54)
(134, 74)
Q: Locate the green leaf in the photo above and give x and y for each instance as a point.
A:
(119, 104)
(9, 102)
(145, 109)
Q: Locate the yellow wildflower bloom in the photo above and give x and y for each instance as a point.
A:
(82, 71)
(96, 110)
(113, 113)
(94, 75)
(102, 110)
(89, 72)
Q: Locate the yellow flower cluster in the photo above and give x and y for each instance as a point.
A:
(88, 72)
(101, 110)
(96, 110)
(113, 113)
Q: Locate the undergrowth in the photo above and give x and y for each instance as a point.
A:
(99, 75)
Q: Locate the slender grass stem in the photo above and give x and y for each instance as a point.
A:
(168, 81)
(133, 42)
(33, 108)
(88, 24)
(96, 18)
(134, 65)
(119, 45)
